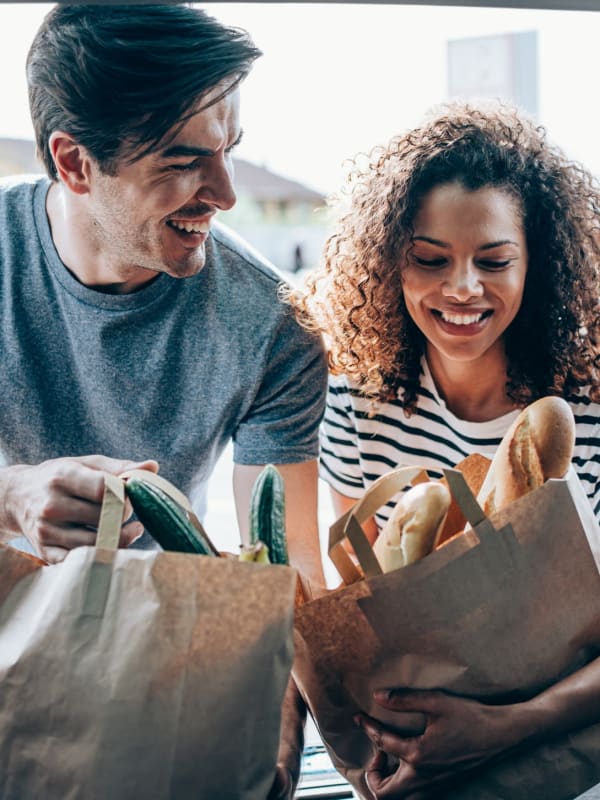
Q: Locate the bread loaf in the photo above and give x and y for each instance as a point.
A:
(474, 468)
(413, 529)
(538, 446)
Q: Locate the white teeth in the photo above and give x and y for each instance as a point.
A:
(461, 319)
(191, 227)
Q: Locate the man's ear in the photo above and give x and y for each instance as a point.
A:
(72, 161)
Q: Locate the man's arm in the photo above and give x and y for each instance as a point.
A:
(301, 513)
(56, 504)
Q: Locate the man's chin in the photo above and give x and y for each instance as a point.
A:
(185, 268)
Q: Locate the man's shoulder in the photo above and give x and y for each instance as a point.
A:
(15, 189)
(231, 247)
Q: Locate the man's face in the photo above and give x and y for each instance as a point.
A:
(155, 213)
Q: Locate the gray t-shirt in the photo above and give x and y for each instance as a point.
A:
(172, 372)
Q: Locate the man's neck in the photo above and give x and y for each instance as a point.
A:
(72, 234)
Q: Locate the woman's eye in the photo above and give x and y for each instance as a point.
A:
(430, 262)
(495, 264)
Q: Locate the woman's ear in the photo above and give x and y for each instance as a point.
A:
(72, 162)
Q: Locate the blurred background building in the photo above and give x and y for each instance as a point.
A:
(500, 65)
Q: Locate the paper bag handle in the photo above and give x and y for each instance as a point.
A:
(113, 503)
(111, 513)
(349, 526)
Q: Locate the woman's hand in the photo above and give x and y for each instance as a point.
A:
(459, 734)
(462, 733)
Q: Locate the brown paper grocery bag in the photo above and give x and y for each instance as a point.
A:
(135, 674)
(498, 613)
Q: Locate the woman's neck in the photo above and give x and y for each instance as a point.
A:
(473, 391)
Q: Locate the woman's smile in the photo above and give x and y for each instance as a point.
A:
(461, 322)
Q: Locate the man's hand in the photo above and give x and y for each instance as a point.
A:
(291, 745)
(56, 504)
(459, 734)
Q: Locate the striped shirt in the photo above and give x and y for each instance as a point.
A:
(357, 449)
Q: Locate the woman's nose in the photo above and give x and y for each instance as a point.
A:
(463, 282)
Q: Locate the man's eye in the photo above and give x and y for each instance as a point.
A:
(237, 142)
(430, 262)
(185, 167)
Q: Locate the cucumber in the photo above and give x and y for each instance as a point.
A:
(267, 514)
(165, 520)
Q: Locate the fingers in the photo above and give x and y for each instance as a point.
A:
(84, 477)
(61, 541)
(116, 465)
(390, 781)
(54, 555)
(60, 508)
(405, 700)
(54, 542)
(376, 771)
(386, 739)
(130, 532)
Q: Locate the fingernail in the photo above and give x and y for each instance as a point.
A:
(136, 530)
(382, 694)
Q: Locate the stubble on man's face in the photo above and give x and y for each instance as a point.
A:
(155, 213)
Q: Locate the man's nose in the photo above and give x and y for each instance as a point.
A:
(216, 184)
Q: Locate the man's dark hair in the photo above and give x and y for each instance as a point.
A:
(118, 78)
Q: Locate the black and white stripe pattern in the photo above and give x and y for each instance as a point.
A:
(357, 449)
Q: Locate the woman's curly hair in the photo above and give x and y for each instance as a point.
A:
(355, 299)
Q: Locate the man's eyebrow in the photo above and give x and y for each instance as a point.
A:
(190, 151)
(179, 150)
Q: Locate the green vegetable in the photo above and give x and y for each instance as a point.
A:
(257, 552)
(165, 520)
(267, 514)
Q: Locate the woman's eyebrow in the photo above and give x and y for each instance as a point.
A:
(499, 243)
(430, 241)
(488, 246)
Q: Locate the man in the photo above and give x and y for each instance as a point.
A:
(135, 329)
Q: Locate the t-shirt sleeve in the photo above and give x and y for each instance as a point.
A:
(340, 463)
(282, 424)
(586, 457)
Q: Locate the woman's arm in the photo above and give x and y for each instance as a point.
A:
(461, 733)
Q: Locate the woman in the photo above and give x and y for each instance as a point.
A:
(461, 283)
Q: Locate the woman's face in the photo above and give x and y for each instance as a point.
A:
(464, 280)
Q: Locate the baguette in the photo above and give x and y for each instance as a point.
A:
(537, 446)
(413, 529)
